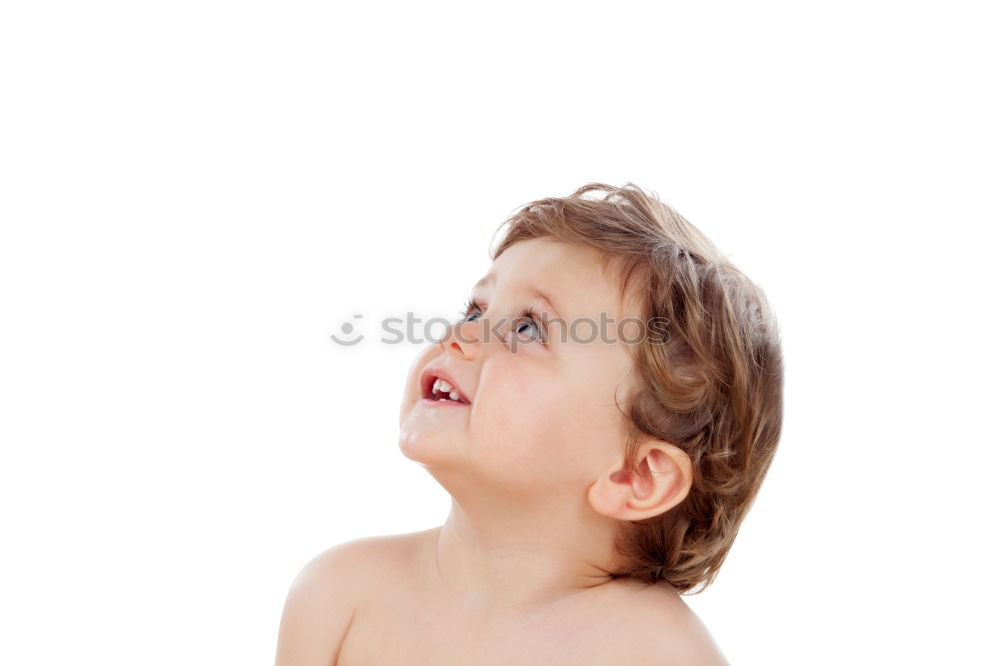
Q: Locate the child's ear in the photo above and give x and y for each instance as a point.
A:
(660, 481)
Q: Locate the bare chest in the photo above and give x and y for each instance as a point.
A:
(400, 631)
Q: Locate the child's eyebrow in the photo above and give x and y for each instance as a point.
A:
(485, 281)
(488, 280)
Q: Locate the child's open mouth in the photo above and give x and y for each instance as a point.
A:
(438, 390)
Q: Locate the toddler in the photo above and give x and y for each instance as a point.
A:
(602, 417)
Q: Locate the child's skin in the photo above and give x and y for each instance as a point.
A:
(518, 574)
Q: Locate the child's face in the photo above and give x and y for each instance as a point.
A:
(541, 417)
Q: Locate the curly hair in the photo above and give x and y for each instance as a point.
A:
(713, 387)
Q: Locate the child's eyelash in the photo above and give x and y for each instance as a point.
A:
(528, 313)
(473, 305)
(470, 305)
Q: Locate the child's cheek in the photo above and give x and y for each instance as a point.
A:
(520, 411)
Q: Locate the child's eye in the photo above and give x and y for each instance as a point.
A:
(527, 324)
(471, 310)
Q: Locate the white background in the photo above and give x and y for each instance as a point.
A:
(195, 195)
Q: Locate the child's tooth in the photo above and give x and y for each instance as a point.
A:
(437, 385)
(445, 386)
(453, 395)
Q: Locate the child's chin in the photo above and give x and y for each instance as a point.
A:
(425, 445)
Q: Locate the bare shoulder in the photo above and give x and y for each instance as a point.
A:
(325, 594)
(343, 567)
(669, 632)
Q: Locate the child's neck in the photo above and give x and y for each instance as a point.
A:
(498, 561)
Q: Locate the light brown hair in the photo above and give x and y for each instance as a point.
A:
(712, 388)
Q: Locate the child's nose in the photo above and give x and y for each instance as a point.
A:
(465, 337)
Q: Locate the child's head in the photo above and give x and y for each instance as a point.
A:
(613, 365)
